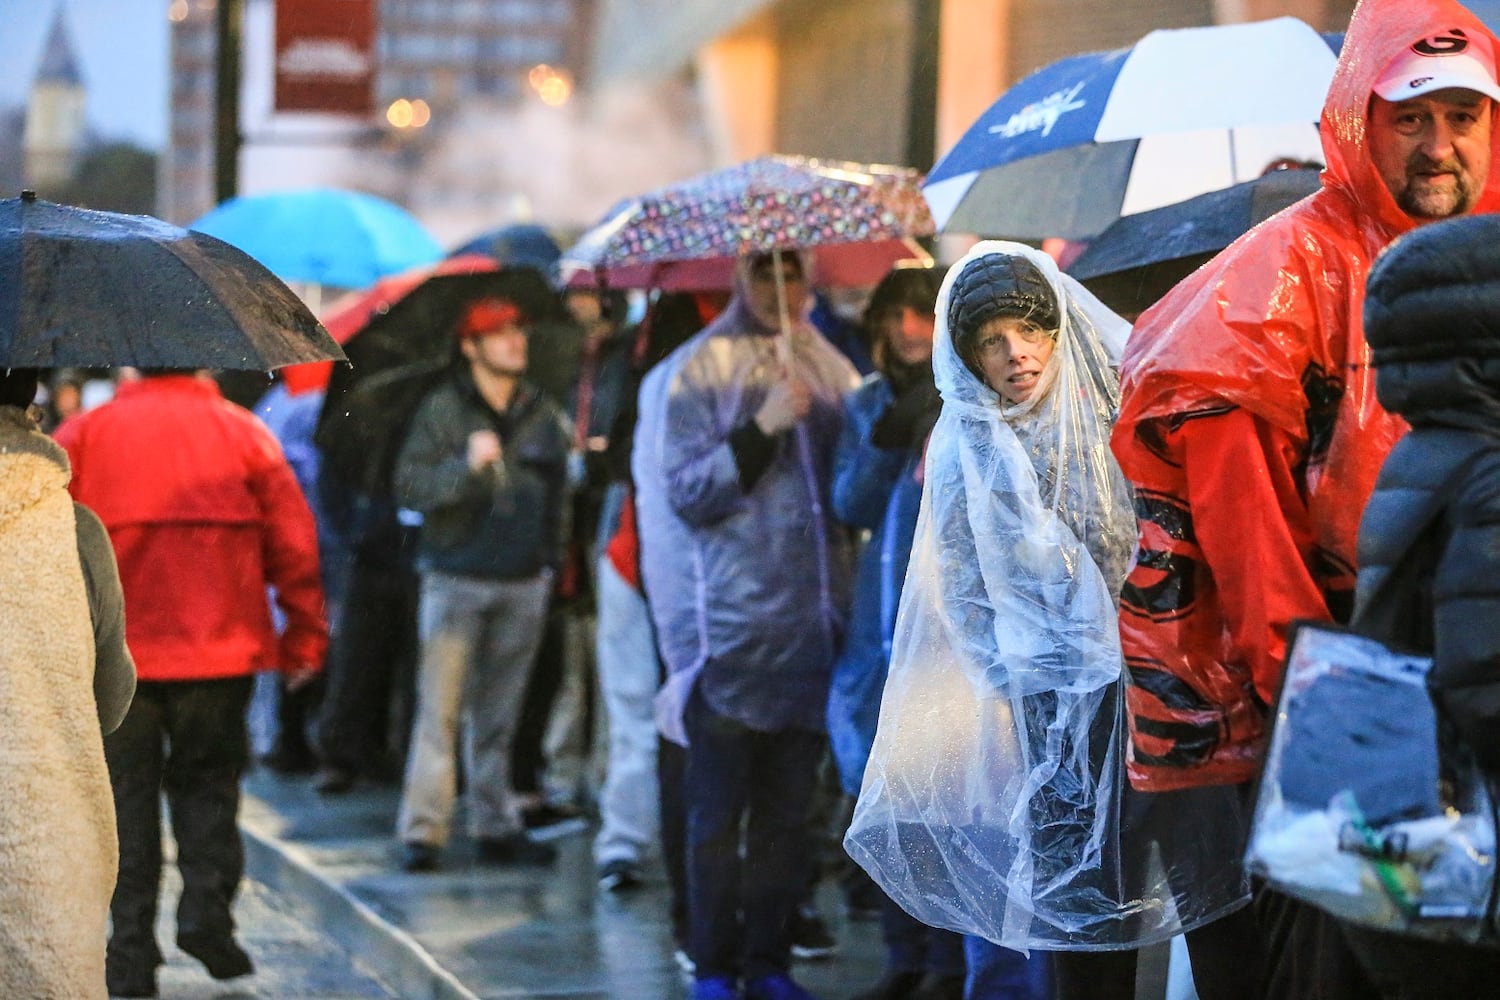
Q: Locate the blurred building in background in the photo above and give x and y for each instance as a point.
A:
(496, 111)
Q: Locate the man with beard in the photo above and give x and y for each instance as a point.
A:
(1250, 429)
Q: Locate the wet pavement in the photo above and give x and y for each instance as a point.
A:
(293, 960)
(470, 931)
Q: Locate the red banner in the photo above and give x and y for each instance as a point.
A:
(325, 56)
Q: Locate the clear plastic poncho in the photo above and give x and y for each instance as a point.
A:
(991, 802)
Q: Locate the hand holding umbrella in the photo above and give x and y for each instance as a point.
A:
(785, 406)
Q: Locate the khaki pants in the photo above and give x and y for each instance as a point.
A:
(479, 638)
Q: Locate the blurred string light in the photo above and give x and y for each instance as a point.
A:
(177, 11)
(553, 86)
(408, 114)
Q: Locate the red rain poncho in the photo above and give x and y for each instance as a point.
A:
(1250, 428)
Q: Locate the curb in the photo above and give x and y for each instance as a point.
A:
(386, 951)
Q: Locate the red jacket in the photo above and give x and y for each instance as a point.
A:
(204, 514)
(1250, 428)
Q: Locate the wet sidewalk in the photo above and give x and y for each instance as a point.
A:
(470, 931)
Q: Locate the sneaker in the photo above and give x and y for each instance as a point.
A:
(549, 822)
(811, 938)
(778, 986)
(894, 985)
(221, 956)
(715, 988)
(619, 875)
(333, 780)
(418, 857)
(513, 849)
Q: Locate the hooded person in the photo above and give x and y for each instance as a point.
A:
(1429, 540)
(1249, 424)
(746, 574)
(65, 678)
(992, 800)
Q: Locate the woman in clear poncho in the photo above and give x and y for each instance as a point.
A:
(992, 801)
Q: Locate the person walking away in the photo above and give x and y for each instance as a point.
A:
(66, 677)
(484, 463)
(1252, 434)
(746, 575)
(204, 514)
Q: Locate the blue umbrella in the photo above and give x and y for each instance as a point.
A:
(324, 236)
(520, 244)
(1087, 139)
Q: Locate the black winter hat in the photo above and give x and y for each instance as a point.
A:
(998, 285)
(1435, 293)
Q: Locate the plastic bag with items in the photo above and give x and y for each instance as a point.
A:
(1359, 814)
(991, 801)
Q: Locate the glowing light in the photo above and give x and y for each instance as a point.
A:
(556, 91)
(408, 114)
(553, 86)
(177, 11)
(400, 113)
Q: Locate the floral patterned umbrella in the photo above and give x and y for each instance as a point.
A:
(769, 203)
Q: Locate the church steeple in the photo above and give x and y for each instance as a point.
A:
(59, 64)
(53, 140)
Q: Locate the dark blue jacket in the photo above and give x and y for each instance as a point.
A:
(877, 489)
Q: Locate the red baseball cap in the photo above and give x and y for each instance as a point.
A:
(483, 316)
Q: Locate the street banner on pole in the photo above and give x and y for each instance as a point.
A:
(325, 56)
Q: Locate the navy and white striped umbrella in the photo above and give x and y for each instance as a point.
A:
(1080, 142)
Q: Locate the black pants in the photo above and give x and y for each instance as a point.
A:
(671, 774)
(751, 788)
(371, 670)
(188, 739)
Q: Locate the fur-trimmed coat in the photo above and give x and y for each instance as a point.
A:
(59, 603)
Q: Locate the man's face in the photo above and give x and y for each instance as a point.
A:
(501, 351)
(760, 292)
(1433, 151)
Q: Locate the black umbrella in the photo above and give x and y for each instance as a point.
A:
(1140, 257)
(87, 289)
(399, 354)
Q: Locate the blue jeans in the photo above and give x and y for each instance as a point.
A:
(997, 973)
(763, 782)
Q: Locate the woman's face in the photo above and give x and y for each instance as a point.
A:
(1011, 353)
(908, 334)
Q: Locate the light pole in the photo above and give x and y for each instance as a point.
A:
(230, 14)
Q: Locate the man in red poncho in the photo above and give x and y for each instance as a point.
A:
(204, 514)
(1249, 423)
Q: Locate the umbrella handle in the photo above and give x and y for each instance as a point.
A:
(784, 338)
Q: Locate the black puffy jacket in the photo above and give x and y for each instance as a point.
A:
(1429, 542)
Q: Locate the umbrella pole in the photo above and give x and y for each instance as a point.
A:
(784, 340)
